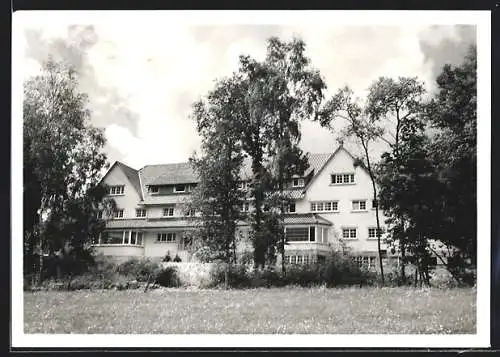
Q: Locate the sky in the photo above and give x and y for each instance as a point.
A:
(142, 80)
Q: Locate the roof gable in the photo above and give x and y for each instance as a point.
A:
(131, 174)
(327, 161)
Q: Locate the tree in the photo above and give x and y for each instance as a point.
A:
(343, 105)
(62, 164)
(217, 196)
(396, 105)
(408, 191)
(282, 90)
(452, 114)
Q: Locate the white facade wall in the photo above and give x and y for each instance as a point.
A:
(321, 189)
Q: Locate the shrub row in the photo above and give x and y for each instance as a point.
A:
(136, 273)
(131, 274)
(331, 273)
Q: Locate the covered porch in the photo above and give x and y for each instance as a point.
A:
(307, 238)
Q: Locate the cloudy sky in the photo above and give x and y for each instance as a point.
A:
(142, 79)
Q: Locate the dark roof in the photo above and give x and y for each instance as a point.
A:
(306, 218)
(183, 173)
(316, 162)
(168, 174)
(290, 219)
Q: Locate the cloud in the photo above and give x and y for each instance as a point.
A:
(73, 44)
(142, 80)
(442, 45)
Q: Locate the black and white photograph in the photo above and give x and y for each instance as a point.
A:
(251, 178)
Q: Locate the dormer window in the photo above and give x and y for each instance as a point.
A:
(154, 189)
(298, 182)
(179, 188)
(116, 190)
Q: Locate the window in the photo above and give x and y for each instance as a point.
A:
(328, 206)
(297, 234)
(154, 189)
(189, 212)
(245, 207)
(116, 190)
(365, 262)
(135, 238)
(374, 204)
(312, 234)
(166, 237)
(168, 211)
(372, 232)
(118, 213)
(122, 238)
(297, 259)
(112, 237)
(359, 205)
(300, 234)
(298, 182)
(290, 208)
(337, 179)
(180, 188)
(140, 213)
(349, 233)
(99, 214)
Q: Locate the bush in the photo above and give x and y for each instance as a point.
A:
(303, 275)
(168, 277)
(193, 274)
(139, 269)
(266, 278)
(237, 275)
(339, 269)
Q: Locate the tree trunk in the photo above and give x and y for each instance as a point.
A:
(374, 187)
(226, 277)
(40, 263)
(402, 262)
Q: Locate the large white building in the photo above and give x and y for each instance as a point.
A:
(333, 204)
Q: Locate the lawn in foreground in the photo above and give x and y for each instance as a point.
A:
(254, 311)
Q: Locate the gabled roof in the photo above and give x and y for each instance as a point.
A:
(324, 163)
(131, 174)
(183, 173)
(133, 177)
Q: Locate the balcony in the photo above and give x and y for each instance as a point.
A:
(316, 247)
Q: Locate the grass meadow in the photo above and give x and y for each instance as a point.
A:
(253, 311)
